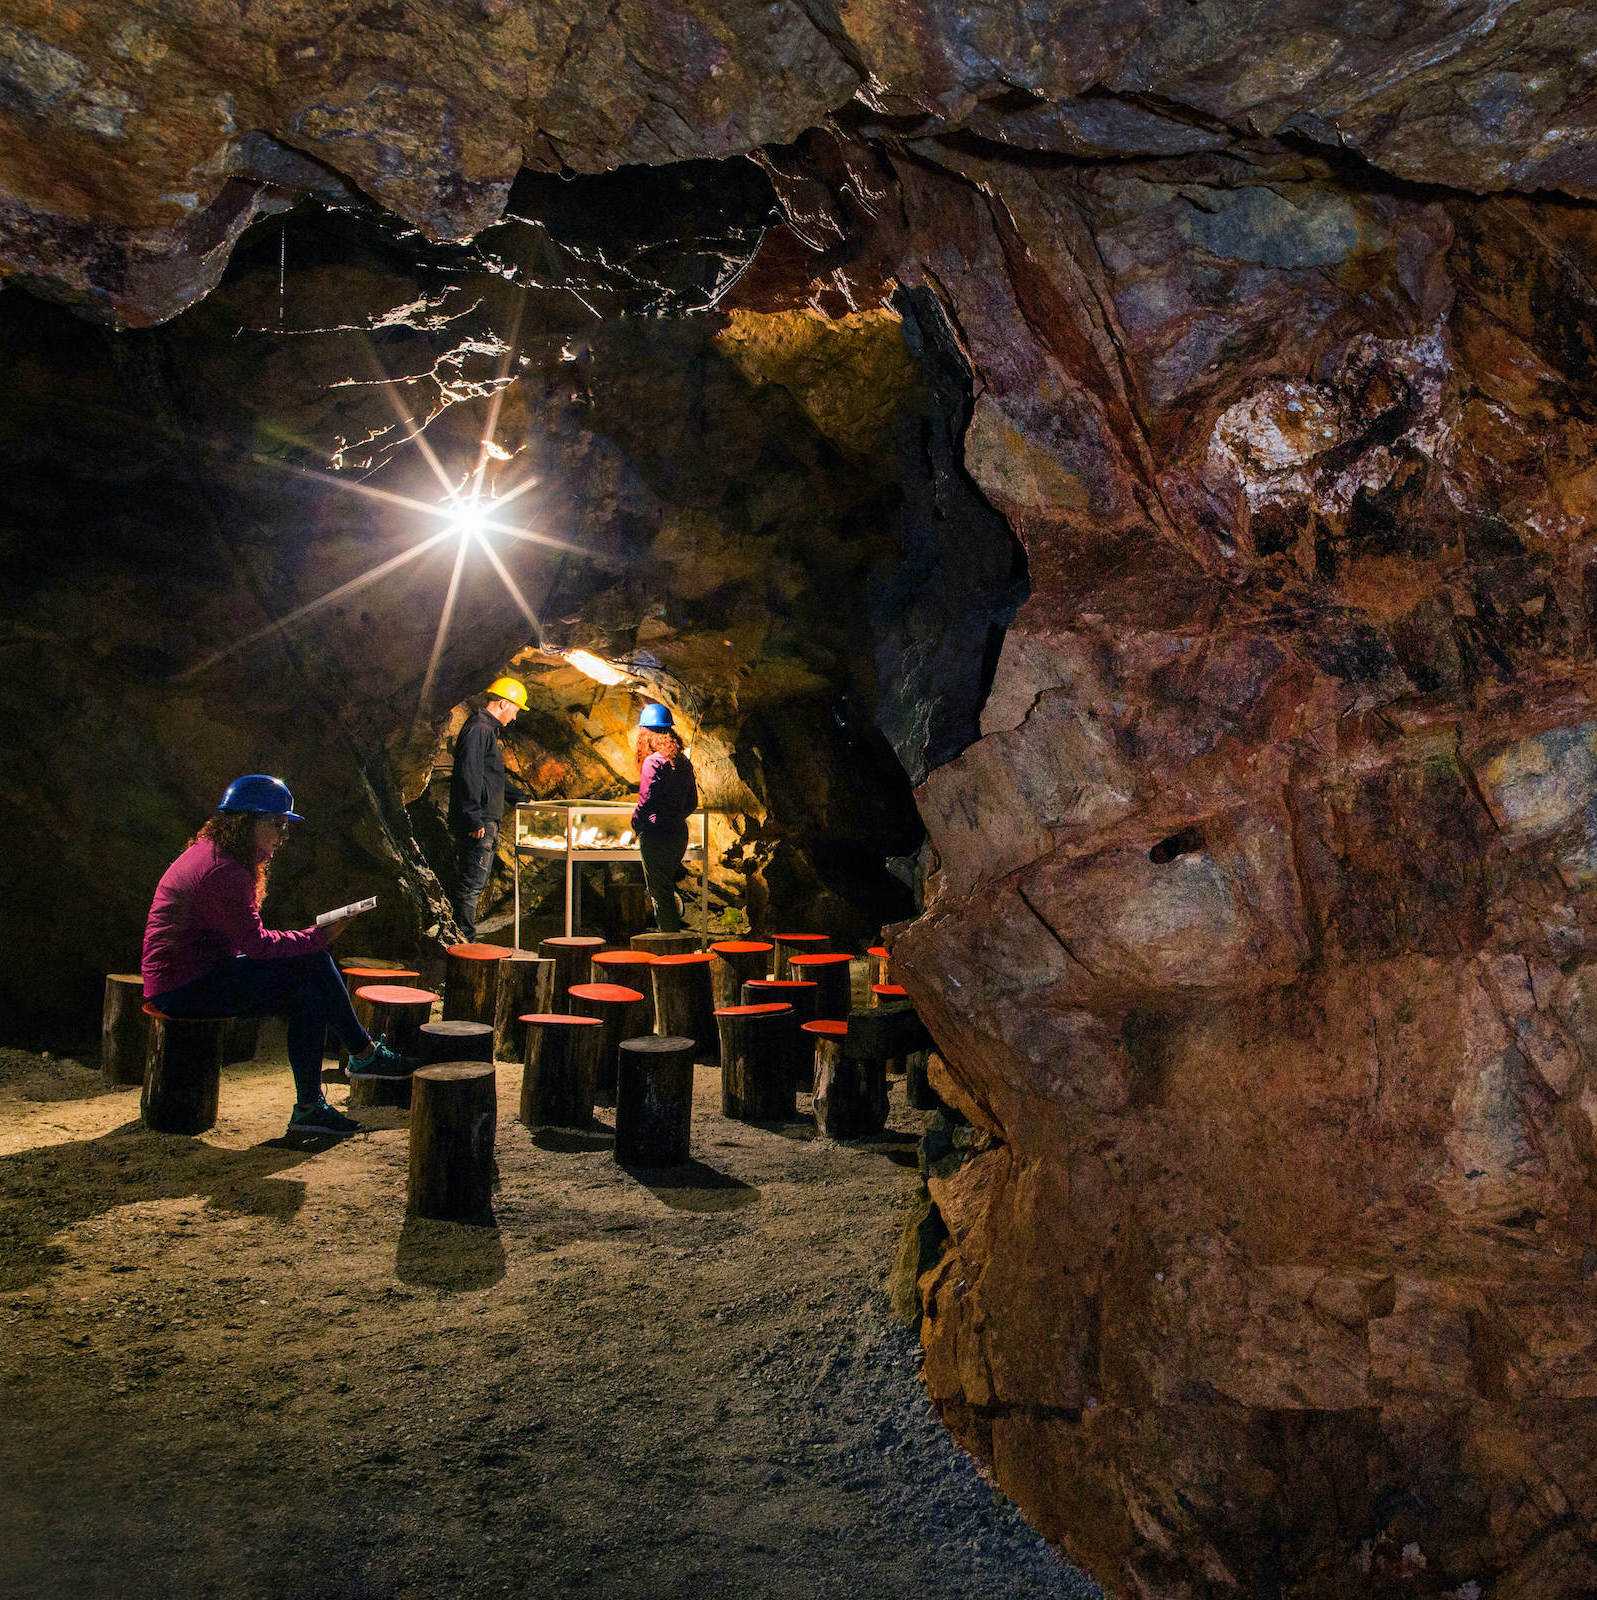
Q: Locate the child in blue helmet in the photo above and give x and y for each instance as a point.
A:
(206, 953)
(668, 794)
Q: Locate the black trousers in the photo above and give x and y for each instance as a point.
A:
(474, 860)
(662, 850)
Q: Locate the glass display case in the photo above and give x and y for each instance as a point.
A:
(574, 831)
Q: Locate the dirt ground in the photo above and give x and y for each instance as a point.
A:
(232, 1369)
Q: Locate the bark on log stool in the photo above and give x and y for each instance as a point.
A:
(526, 983)
(850, 1093)
(831, 975)
(453, 1041)
(800, 994)
(357, 974)
(757, 1062)
(454, 1113)
(883, 994)
(471, 981)
(684, 999)
(654, 1101)
(397, 1014)
(558, 1069)
(124, 1029)
(571, 954)
(380, 1089)
(666, 944)
(881, 962)
(621, 1011)
(789, 945)
(182, 1072)
(630, 967)
(918, 1090)
(736, 960)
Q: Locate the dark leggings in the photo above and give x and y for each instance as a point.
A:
(307, 991)
(662, 852)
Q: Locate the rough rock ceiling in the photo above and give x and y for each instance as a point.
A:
(138, 138)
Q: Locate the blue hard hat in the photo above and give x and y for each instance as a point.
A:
(255, 791)
(656, 716)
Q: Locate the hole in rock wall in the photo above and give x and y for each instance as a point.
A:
(1184, 843)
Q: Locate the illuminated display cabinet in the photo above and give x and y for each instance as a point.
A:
(596, 830)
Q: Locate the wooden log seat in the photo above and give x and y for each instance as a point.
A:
(850, 1092)
(558, 1070)
(654, 1101)
(629, 967)
(454, 1112)
(357, 974)
(800, 994)
(471, 981)
(830, 972)
(665, 944)
(397, 1014)
(453, 1041)
(684, 999)
(881, 963)
(571, 954)
(757, 1062)
(789, 945)
(526, 983)
(124, 1029)
(621, 1010)
(182, 1072)
(736, 960)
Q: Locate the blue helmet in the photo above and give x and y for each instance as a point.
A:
(255, 791)
(656, 716)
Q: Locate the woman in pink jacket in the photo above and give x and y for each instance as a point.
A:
(206, 953)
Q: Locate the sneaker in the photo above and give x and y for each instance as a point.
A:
(322, 1118)
(383, 1062)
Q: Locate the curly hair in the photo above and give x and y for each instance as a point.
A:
(656, 741)
(233, 833)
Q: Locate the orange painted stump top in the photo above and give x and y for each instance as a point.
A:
(559, 1017)
(694, 958)
(826, 1027)
(740, 947)
(611, 993)
(574, 941)
(380, 974)
(890, 991)
(829, 960)
(778, 983)
(394, 994)
(624, 958)
(880, 951)
(478, 952)
(769, 1010)
(798, 938)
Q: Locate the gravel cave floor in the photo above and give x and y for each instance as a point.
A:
(231, 1368)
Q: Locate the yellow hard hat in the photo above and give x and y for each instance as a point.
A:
(510, 689)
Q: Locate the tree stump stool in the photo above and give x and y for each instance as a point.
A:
(124, 1029)
(454, 1113)
(357, 974)
(883, 994)
(397, 1014)
(757, 1062)
(918, 1090)
(630, 967)
(526, 983)
(684, 999)
(558, 1069)
(800, 994)
(832, 978)
(665, 944)
(881, 963)
(182, 1072)
(471, 981)
(850, 1093)
(654, 1101)
(626, 905)
(789, 945)
(380, 1089)
(735, 960)
(438, 1042)
(621, 1011)
(571, 955)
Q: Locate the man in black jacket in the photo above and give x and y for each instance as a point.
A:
(477, 796)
